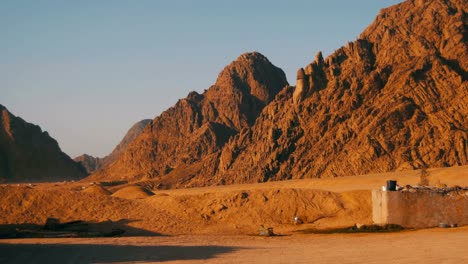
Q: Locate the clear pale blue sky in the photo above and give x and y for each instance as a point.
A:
(86, 70)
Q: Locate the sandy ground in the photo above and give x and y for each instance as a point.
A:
(423, 246)
(233, 209)
(218, 224)
(450, 176)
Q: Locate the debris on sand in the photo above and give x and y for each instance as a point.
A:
(359, 228)
(297, 220)
(445, 225)
(443, 189)
(266, 231)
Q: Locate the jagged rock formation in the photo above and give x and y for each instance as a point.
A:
(29, 154)
(395, 98)
(199, 125)
(95, 163)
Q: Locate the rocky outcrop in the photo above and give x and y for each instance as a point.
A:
(396, 98)
(199, 125)
(93, 164)
(29, 154)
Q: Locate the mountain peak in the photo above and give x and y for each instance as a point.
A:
(418, 28)
(199, 125)
(253, 56)
(253, 73)
(393, 99)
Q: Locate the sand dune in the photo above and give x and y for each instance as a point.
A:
(237, 212)
(98, 189)
(233, 209)
(133, 192)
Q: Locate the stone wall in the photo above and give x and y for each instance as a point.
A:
(419, 209)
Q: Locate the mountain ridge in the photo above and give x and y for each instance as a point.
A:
(200, 124)
(393, 99)
(418, 98)
(93, 164)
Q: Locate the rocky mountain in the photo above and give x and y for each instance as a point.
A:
(29, 154)
(200, 124)
(95, 163)
(395, 98)
(89, 162)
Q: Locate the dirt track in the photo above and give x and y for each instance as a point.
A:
(424, 246)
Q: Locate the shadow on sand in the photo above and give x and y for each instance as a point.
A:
(83, 253)
(76, 228)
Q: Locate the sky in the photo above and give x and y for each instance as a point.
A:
(85, 71)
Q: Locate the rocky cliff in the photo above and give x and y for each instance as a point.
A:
(199, 125)
(29, 154)
(396, 98)
(92, 164)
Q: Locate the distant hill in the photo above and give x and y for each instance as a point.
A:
(29, 154)
(94, 163)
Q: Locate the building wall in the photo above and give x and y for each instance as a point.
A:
(419, 209)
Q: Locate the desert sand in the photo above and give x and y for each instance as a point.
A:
(423, 246)
(220, 224)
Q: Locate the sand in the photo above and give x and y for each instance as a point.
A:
(234, 209)
(424, 246)
(97, 189)
(220, 224)
(227, 212)
(133, 192)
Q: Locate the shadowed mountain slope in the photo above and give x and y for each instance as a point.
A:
(29, 154)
